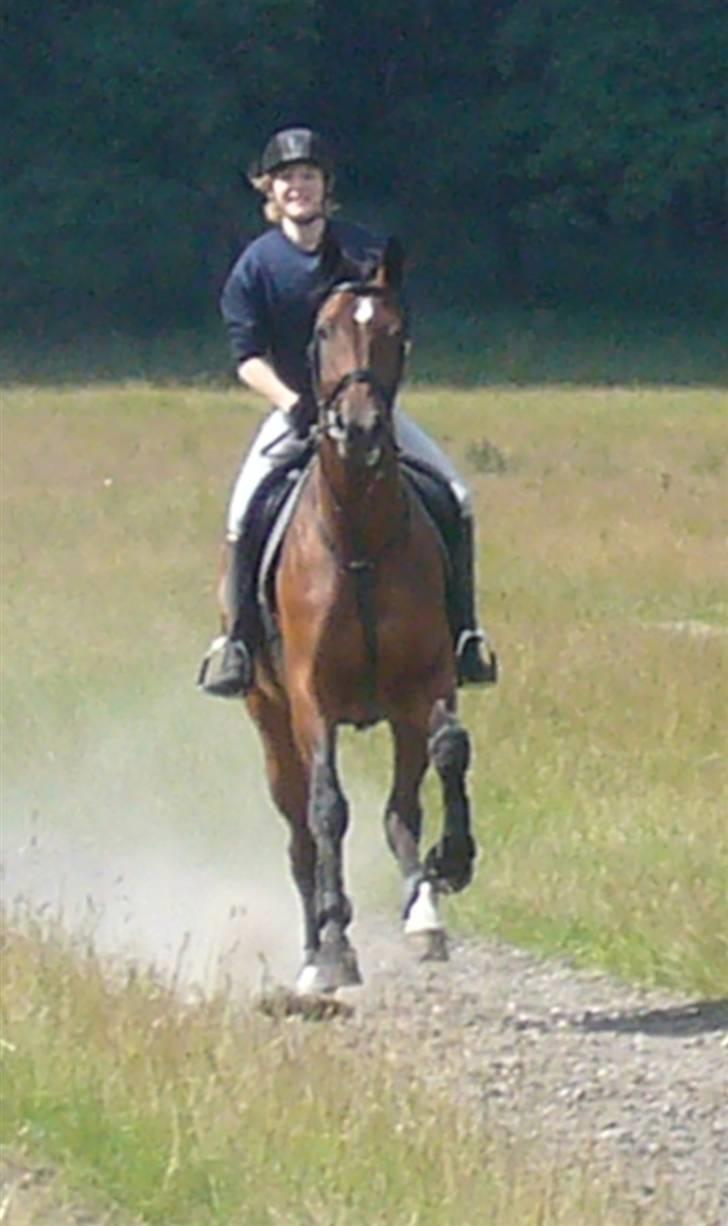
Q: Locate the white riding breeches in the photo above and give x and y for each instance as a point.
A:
(274, 438)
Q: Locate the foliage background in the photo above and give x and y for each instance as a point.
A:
(528, 150)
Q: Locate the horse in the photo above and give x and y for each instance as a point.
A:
(363, 637)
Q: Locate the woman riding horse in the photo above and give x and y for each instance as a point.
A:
(269, 304)
(361, 634)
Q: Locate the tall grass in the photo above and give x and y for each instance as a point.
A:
(191, 1114)
(599, 781)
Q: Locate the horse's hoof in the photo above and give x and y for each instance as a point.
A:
(332, 969)
(309, 980)
(280, 1003)
(435, 947)
(430, 946)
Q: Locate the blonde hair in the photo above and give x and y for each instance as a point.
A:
(272, 211)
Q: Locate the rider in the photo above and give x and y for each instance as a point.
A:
(268, 304)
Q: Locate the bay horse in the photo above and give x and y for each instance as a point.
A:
(360, 595)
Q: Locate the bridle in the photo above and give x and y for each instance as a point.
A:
(330, 422)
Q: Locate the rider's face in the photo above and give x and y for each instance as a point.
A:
(299, 191)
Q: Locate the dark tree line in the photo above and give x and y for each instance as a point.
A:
(489, 134)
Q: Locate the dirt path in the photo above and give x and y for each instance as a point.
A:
(635, 1081)
(576, 1062)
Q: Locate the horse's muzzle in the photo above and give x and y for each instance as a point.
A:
(362, 438)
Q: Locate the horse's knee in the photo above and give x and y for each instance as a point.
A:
(398, 818)
(329, 816)
(449, 748)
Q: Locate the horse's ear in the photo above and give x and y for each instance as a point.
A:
(336, 266)
(332, 258)
(391, 268)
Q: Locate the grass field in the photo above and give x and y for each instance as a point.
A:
(599, 782)
(197, 1114)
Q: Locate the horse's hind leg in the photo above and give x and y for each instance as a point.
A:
(449, 863)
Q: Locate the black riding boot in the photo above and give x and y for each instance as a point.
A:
(227, 669)
(472, 669)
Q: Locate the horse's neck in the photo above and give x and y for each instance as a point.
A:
(361, 508)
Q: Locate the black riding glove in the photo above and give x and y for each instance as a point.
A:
(302, 415)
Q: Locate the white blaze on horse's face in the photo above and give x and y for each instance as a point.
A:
(364, 311)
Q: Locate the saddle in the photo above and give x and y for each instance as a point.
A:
(275, 501)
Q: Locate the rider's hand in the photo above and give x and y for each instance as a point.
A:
(302, 415)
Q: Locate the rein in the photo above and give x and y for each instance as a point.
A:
(361, 567)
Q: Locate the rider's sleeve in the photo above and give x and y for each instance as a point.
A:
(244, 311)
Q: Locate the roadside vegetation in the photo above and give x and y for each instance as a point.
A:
(599, 781)
(599, 786)
(189, 1114)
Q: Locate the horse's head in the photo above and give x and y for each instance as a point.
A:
(357, 358)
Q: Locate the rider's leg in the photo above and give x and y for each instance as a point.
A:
(231, 673)
(470, 637)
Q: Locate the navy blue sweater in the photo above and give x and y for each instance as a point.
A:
(271, 296)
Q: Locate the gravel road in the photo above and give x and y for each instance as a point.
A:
(636, 1081)
(574, 1061)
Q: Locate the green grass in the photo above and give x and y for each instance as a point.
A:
(599, 788)
(599, 782)
(202, 1113)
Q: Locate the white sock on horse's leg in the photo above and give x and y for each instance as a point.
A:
(423, 914)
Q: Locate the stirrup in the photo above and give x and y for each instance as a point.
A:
(227, 668)
(472, 669)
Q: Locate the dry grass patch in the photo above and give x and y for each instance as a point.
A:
(201, 1112)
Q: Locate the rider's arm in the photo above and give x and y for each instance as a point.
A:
(257, 374)
(244, 309)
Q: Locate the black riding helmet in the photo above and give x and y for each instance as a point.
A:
(294, 145)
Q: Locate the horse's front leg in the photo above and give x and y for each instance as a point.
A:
(403, 814)
(334, 963)
(403, 826)
(289, 786)
(449, 863)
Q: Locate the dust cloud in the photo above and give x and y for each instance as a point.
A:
(156, 838)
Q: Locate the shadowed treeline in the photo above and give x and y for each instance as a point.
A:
(555, 155)
(492, 347)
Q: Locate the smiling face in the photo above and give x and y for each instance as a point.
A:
(298, 191)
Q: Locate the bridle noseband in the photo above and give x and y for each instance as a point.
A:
(361, 375)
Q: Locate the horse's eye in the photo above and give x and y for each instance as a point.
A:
(323, 332)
